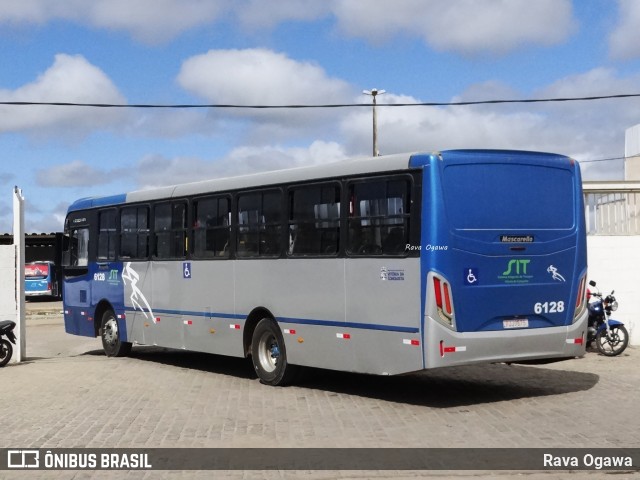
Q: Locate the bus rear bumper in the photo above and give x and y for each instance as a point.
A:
(444, 347)
(38, 293)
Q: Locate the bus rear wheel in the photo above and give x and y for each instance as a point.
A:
(111, 339)
(269, 355)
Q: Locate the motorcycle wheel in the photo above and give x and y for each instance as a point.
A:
(6, 350)
(615, 344)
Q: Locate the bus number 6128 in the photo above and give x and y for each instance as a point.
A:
(549, 307)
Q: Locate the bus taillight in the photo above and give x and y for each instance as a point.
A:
(447, 299)
(443, 297)
(581, 298)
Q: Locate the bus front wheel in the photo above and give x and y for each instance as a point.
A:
(111, 339)
(269, 355)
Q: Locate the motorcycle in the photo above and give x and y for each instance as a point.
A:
(6, 350)
(610, 335)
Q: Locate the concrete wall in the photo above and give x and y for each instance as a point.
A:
(8, 306)
(614, 263)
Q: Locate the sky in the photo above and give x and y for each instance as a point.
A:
(283, 52)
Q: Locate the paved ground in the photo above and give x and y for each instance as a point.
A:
(68, 394)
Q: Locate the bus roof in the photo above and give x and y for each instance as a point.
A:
(275, 177)
(341, 168)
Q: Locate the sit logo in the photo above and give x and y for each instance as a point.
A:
(518, 264)
(517, 271)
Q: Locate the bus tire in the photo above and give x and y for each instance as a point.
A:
(269, 355)
(111, 340)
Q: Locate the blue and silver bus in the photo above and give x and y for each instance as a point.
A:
(381, 265)
(40, 279)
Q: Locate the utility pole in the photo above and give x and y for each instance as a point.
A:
(374, 92)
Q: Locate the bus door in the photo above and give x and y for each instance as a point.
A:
(106, 273)
(77, 282)
(514, 256)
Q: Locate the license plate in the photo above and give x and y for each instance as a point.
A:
(516, 323)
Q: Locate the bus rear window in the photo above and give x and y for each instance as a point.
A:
(36, 270)
(508, 196)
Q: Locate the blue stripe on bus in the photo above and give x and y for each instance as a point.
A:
(299, 321)
(333, 323)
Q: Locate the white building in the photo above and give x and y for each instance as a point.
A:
(613, 242)
(632, 153)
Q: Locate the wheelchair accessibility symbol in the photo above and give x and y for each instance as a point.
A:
(186, 270)
(470, 276)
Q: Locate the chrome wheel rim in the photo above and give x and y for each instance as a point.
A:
(268, 351)
(110, 331)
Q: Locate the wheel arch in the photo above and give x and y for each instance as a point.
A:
(250, 324)
(103, 306)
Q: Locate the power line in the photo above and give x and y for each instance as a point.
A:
(609, 159)
(338, 105)
(303, 106)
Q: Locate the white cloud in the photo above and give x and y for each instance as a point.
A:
(421, 128)
(70, 79)
(258, 77)
(75, 174)
(263, 77)
(624, 41)
(268, 13)
(157, 170)
(44, 220)
(584, 130)
(466, 26)
(150, 21)
(598, 81)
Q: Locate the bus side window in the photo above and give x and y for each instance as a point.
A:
(379, 217)
(259, 224)
(314, 220)
(107, 235)
(134, 232)
(170, 225)
(211, 228)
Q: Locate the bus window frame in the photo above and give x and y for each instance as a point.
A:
(119, 231)
(236, 225)
(340, 185)
(229, 196)
(172, 202)
(116, 235)
(412, 218)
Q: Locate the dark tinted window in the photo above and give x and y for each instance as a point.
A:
(134, 232)
(170, 226)
(259, 224)
(314, 220)
(379, 217)
(107, 235)
(211, 227)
